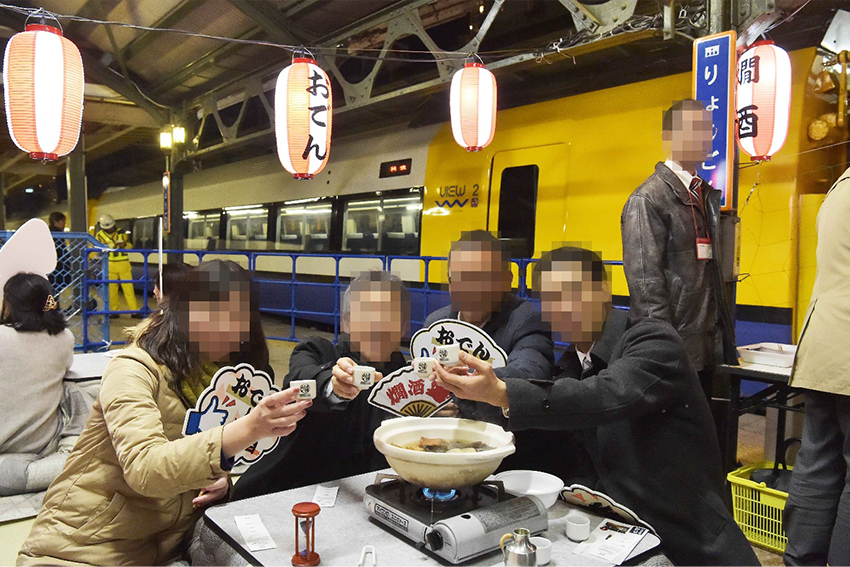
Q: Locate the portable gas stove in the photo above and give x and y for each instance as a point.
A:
(457, 525)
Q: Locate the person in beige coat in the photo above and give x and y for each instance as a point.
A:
(132, 485)
(817, 514)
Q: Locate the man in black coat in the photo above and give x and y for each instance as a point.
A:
(480, 287)
(670, 245)
(636, 397)
(334, 439)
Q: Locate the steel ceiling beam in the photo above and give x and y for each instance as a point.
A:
(268, 17)
(168, 21)
(363, 24)
(203, 63)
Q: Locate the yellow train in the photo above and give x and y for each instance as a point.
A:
(556, 171)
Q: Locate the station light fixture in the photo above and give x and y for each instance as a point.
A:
(43, 83)
(764, 100)
(303, 113)
(178, 135)
(165, 140)
(473, 106)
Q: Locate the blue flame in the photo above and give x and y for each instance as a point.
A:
(439, 495)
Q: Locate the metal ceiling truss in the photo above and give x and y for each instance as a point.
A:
(402, 19)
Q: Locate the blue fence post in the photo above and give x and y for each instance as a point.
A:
(294, 258)
(337, 313)
(84, 300)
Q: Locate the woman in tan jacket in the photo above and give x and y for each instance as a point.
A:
(130, 488)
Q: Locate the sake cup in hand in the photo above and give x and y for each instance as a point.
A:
(306, 389)
(364, 377)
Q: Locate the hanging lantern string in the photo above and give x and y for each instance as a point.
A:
(636, 23)
(43, 14)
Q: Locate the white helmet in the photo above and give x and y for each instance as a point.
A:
(107, 222)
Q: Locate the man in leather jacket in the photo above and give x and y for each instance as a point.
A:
(670, 245)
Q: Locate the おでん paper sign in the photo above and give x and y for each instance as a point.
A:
(469, 338)
(232, 393)
(404, 393)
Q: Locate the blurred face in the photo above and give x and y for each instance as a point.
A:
(60, 224)
(689, 143)
(375, 322)
(216, 328)
(575, 306)
(478, 282)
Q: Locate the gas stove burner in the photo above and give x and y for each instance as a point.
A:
(439, 495)
(457, 524)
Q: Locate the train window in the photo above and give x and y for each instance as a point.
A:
(361, 226)
(400, 230)
(247, 228)
(203, 229)
(517, 209)
(304, 227)
(144, 233)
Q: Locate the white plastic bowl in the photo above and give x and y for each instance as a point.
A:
(442, 471)
(543, 485)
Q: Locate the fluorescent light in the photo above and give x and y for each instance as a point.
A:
(241, 208)
(178, 134)
(165, 140)
(300, 201)
(29, 190)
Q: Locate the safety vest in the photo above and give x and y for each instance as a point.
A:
(115, 240)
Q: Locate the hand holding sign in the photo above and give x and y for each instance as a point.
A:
(248, 395)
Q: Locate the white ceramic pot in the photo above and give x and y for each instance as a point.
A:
(442, 471)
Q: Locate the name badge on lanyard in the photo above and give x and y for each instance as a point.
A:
(704, 249)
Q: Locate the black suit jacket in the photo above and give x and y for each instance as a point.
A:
(649, 430)
(330, 442)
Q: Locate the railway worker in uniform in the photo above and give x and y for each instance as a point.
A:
(817, 515)
(119, 265)
(480, 288)
(335, 439)
(670, 252)
(130, 487)
(631, 390)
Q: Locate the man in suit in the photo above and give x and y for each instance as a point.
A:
(480, 287)
(636, 397)
(817, 515)
(670, 253)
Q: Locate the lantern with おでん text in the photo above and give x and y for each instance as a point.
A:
(43, 84)
(302, 118)
(764, 100)
(473, 107)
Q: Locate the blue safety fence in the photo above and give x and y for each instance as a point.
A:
(72, 289)
(289, 288)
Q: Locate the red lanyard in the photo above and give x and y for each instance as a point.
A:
(696, 183)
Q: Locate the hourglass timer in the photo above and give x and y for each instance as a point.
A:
(305, 521)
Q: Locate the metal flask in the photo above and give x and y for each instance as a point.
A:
(518, 549)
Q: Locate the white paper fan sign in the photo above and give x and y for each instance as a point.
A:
(232, 393)
(30, 249)
(470, 338)
(601, 504)
(404, 393)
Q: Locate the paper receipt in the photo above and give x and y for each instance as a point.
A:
(254, 532)
(326, 496)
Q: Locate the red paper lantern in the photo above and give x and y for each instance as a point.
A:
(764, 100)
(43, 82)
(473, 107)
(302, 107)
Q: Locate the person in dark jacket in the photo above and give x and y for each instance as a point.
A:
(61, 277)
(334, 440)
(633, 392)
(480, 287)
(670, 245)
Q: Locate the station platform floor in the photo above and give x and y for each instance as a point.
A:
(751, 431)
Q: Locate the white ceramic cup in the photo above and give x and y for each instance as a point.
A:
(447, 355)
(364, 377)
(578, 526)
(306, 389)
(544, 549)
(424, 366)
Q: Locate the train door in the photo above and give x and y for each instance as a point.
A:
(527, 204)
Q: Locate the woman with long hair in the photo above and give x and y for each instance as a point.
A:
(36, 352)
(129, 491)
